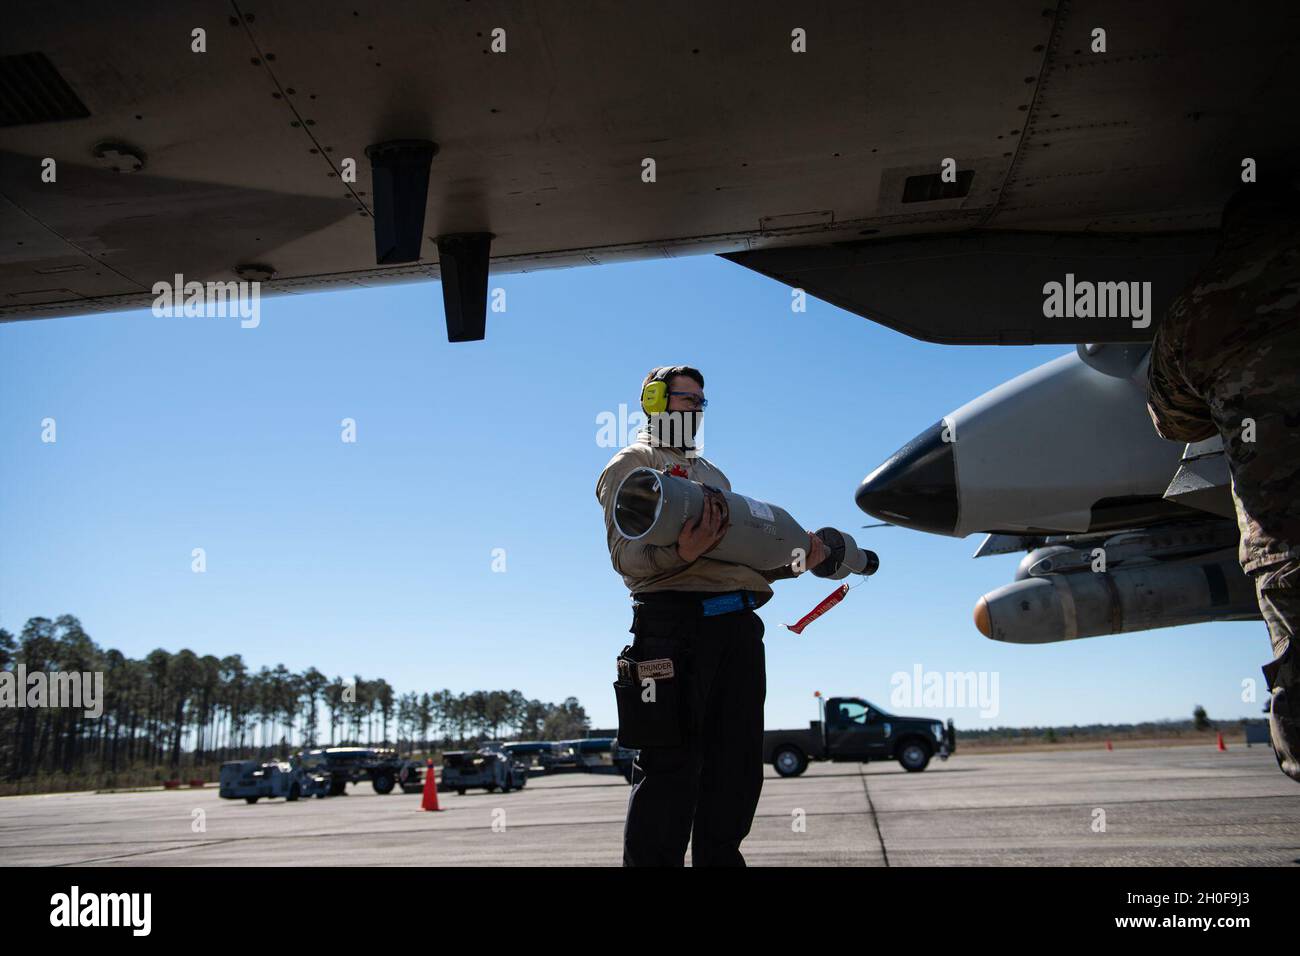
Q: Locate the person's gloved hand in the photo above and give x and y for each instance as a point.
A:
(817, 552)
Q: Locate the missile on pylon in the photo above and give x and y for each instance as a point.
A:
(1048, 607)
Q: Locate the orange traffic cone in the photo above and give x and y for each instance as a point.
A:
(430, 799)
(1221, 744)
(1109, 746)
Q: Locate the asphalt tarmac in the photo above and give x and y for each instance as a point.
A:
(1169, 806)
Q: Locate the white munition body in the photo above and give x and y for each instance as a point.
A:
(762, 535)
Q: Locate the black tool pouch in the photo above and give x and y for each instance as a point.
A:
(649, 706)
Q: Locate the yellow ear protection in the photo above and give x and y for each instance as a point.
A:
(654, 397)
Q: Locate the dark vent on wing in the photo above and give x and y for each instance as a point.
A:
(931, 187)
(32, 91)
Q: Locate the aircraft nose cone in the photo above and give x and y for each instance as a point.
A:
(916, 487)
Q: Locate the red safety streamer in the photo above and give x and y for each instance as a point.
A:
(832, 599)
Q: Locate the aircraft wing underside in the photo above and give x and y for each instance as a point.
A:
(818, 168)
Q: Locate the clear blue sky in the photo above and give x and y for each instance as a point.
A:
(375, 558)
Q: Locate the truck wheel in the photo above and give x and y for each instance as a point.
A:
(250, 799)
(460, 791)
(294, 793)
(789, 761)
(914, 756)
(383, 782)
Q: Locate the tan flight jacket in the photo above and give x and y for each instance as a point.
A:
(648, 567)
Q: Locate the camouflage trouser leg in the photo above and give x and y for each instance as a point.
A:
(1279, 601)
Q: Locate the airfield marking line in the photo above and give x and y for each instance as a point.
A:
(871, 807)
(183, 844)
(70, 823)
(126, 856)
(127, 840)
(1053, 806)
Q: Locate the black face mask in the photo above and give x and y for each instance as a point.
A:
(675, 429)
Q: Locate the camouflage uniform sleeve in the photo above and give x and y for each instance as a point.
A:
(1176, 408)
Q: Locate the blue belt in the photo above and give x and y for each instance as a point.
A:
(702, 603)
(726, 603)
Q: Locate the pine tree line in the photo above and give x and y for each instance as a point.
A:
(181, 709)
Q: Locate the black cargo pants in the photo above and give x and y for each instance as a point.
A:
(706, 790)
